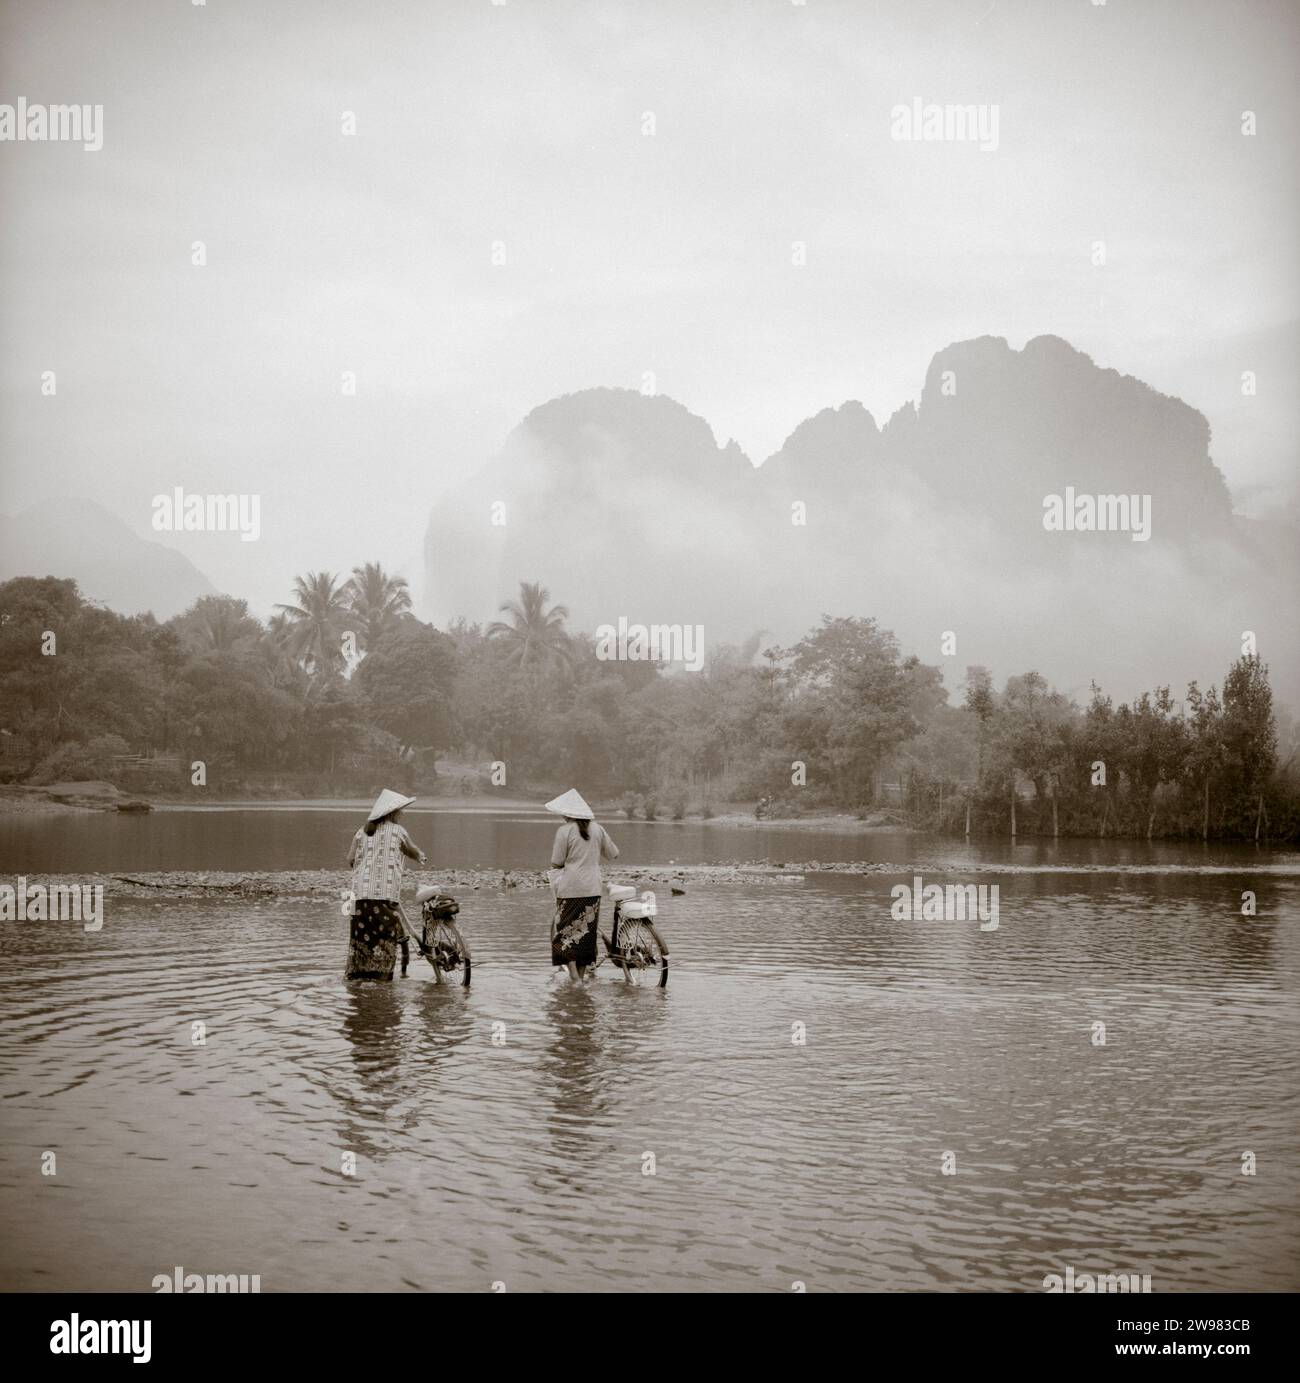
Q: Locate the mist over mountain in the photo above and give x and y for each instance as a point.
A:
(626, 505)
(109, 562)
(616, 502)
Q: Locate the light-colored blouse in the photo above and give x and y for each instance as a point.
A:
(376, 862)
(580, 859)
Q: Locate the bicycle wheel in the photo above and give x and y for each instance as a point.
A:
(445, 950)
(634, 946)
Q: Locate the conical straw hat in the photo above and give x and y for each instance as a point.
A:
(388, 801)
(571, 804)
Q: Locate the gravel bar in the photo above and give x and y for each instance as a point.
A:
(331, 883)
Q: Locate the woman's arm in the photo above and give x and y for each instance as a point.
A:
(608, 849)
(352, 850)
(409, 848)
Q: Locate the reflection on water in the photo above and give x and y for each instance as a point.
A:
(524, 1159)
(317, 838)
(571, 1072)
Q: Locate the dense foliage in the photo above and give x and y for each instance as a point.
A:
(344, 689)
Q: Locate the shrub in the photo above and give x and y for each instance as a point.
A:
(74, 762)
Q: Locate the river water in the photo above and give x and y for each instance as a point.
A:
(541, 1135)
(317, 837)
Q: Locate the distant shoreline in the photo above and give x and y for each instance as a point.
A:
(78, 798)
(61, 799)
(842, 822)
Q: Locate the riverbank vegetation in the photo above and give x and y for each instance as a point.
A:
(344, 689)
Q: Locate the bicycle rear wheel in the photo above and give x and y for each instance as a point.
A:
(635, 947)
(445, 949)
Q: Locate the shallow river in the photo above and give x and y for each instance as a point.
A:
(505, 1135)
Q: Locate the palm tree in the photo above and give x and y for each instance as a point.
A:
(278, 628)
(218, 623)
(274, 649)
(377, 601)
(314, 633)
(535, 635)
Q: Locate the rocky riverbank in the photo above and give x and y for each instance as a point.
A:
(63, 798)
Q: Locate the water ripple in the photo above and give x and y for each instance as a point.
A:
(781, 1112)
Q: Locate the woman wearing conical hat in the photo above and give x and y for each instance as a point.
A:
(580, 845)
(377, 858)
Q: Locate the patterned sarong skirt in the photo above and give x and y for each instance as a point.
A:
(575, 931)
(375, 936)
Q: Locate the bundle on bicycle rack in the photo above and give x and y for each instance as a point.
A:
(635, 944)
(439, 937)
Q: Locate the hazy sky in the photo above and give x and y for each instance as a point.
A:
(523, 124)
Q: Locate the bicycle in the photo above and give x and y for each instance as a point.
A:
(634, 944)
(440, 941)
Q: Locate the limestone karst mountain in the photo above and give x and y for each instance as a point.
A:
(110, 563)
(626, 505)
(614, 501)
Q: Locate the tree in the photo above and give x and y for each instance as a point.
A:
(853, 696)
(217, 623)
(493, 708)
(1206, 751)
(1248, 729)
(34, 688)
(980, 700)
(1154, 748)
(331, 722)
(942, 757)
(407, 685)
(377, 601)
(535, 635)
(100, 676)
(273, 649)
(314, 635)
(1035, 734)
(1101, 741)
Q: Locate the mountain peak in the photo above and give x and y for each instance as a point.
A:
(604, 424)
(109, 561)
(839, 439)
(934, 522)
